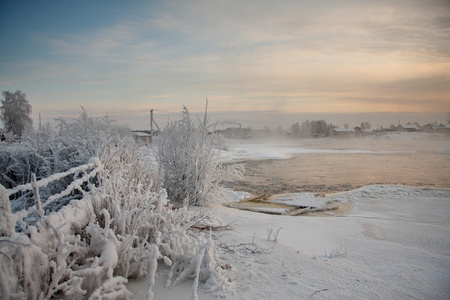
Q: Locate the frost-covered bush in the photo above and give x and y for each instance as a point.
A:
(188, 158)
(17, 164)
(57, 150)
(124, 227)
(117, 226)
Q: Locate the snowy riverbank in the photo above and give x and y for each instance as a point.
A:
(393, 244)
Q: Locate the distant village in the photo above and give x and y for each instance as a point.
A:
(311, 129)
(322, 129)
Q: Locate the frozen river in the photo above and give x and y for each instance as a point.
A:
(332, 164)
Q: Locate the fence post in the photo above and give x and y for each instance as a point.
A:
(37, 198)
(6, 219)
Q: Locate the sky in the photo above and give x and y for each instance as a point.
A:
(259, 63)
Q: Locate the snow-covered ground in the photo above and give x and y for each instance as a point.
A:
(394, 244)
(392, 143)
(269, 151)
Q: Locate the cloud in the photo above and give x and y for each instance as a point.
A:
(418, 88)
(256, 55)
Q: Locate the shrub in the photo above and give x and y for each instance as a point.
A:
(47, 152)
(123, 225)
(123, 228)
(189, 162)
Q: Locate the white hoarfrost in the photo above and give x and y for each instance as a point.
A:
(122, 227)
(92, 246)
(7, 222)
(191, 167)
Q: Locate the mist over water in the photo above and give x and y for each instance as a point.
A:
(337, 164)
(272, 119)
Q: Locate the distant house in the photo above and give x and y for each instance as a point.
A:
(142, 137)
(429, 127)
(443, 128)
(408, 128)
(353, 131)
(344, 131)
(289, 132)
(235, 133)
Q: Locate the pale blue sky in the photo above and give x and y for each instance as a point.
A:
(258, 62)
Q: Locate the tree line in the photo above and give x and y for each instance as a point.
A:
(308, 128)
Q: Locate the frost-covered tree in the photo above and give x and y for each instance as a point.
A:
(15, 112)
(296, 130)
(365, 125)
(47, 152)
(189, 161)
(123, 228)
(316, 128)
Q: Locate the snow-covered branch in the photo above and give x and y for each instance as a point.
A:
(121, 226)
(188, 159)
(94, 162)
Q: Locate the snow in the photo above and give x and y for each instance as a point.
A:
(410, 126)
(268, 210)
(389, 246)
(299, 200)
(395, 244)
(181, 291)
(93, 162)
(7, 220)
(283, 150)
(230, 196)
(389, 143)
(445, 151)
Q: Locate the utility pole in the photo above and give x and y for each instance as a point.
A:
(40, 123)
(151, 121)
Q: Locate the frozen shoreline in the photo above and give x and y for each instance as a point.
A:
(393, 244)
